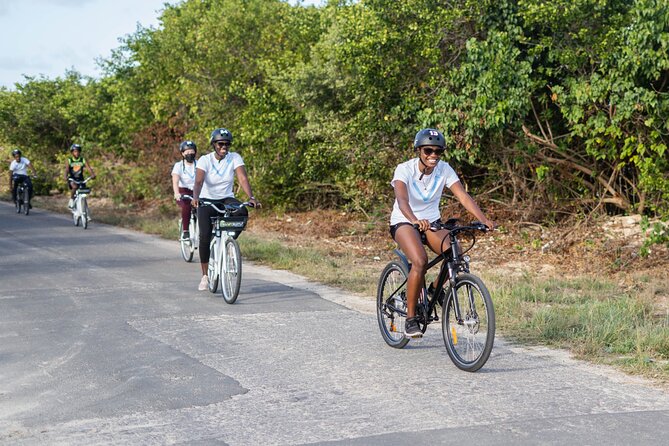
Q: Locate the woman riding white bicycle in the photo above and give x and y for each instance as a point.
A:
(214, 181)
(183, 179)
(418, 185)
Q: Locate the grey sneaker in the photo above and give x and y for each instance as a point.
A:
(411, 328)
(185, 236)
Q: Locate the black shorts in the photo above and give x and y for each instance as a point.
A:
(423, 238)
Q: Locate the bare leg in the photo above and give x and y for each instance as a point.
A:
(409, 240)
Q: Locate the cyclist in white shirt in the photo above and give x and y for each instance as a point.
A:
(18, 173)
(183, 180)
(418, 185)
(214, 181)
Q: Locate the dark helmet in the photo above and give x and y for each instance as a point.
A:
(429, 137)
(16, 152)
(187, 145)
(74, 147)
(220, 135)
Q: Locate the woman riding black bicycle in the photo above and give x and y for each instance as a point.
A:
(418, 185)
(18, 173)
(214, 180)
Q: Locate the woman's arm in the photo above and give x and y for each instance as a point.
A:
(244, 182)
(175, 186)
(402, 196)
(197, 187)
(468, 202)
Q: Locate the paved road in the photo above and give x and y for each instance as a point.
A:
(104, 339)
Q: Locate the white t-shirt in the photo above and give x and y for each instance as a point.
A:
(21, 167)
(425, 193)
(186, 174)
(219, 176)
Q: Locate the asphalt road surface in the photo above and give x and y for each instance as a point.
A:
(104, 339)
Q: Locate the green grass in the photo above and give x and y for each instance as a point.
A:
(591, 317)
(342, 271)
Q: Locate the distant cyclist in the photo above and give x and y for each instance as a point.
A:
(183, 179)
(18, 173)
(74, 170)
(418, 185)
(214, 180)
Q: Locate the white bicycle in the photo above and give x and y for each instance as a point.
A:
(189, 245)
(80, 212)
(225, 258)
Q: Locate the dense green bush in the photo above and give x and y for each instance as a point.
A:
(551, 105)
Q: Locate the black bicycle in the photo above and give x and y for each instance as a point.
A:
(467, 313)
(22, 194)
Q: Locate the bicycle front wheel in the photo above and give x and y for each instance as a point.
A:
(213, 269)
(468, 338)
(26, 201)
(84, 213)
(186, 245)
(391, 304)
(231, 274)
(19, 201)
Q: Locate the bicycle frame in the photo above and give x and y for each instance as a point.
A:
(79, 197)
(225, 229)
(194, 229)
(452, 262)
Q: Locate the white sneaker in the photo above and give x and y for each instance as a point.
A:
(204, 284)
(70, 204)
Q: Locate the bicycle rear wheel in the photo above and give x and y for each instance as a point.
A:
(212, 270)
(26, 201)
(186, 245)
(231, 274)
(469, 340)
(391, 304)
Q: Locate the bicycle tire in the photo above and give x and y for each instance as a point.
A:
(231, 271)
(84, 213)
(194, 231)
(19, 201)
(26, 201)
(186, 245)
(212, 272)
(391, 322)
(469, 341)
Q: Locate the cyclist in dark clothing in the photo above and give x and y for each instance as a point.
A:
(18, 169)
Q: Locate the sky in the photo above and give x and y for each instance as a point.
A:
(49, 37)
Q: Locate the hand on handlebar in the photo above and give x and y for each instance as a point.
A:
(421, 225)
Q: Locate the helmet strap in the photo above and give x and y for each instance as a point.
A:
(422, 172)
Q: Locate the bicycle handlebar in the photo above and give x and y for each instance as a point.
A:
(226, 207)
(79, 181)
(452, 226)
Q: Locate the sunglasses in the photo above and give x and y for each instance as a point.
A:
(222, 144)
(438, 152)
